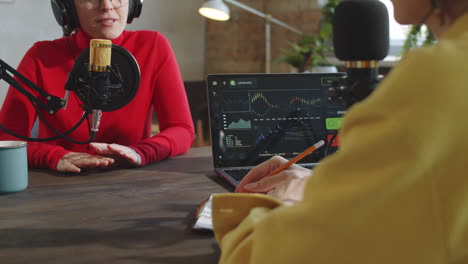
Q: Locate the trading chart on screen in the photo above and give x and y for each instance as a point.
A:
(254, 117)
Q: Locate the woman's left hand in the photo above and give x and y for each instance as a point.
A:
(121, 154)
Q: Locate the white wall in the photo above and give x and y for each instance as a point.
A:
(24, 22)
(180, 22)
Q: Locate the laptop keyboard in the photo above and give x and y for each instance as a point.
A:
(237, 174)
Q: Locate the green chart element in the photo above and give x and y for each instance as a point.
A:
(333, 123)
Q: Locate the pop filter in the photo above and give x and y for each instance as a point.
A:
(113, 89)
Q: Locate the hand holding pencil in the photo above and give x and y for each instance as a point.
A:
(276, 171)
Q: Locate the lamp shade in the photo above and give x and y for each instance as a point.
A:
(215, 9)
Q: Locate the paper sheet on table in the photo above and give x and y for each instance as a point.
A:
(203, 216)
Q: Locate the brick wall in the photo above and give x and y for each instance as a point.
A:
(238, 45)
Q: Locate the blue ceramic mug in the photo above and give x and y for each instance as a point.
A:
(13, 166)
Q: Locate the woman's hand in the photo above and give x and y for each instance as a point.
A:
(75, 161)
(122, 155)
(286, 185)
(290, 191)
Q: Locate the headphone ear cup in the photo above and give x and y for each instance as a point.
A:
(74, 21)
(65, 14)
(134, 9)
(60, 12)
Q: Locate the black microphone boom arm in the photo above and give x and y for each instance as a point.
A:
(106, 91)
(52, 103)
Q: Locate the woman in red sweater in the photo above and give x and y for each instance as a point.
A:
(124, 137)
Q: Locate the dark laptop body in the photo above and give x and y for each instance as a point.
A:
(256, 116)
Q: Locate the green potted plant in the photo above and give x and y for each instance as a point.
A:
(311, 51)
(418, 35)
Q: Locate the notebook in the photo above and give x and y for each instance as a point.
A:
(256, 116)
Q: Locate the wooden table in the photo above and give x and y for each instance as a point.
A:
(122, 216)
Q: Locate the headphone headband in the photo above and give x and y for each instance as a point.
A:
(67, 18)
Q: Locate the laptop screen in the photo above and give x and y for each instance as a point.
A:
(256, 116)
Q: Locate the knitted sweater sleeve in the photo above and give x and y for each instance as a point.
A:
(170, 101)
(18, 115)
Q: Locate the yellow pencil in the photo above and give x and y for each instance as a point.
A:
(299, 157)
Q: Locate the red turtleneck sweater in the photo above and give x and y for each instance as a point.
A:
(48, 63)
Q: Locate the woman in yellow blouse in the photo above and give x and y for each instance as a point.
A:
(396, 192)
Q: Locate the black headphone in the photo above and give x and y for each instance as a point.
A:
(65, 13)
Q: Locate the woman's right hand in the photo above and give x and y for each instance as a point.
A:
(75, 161)
(259, 179)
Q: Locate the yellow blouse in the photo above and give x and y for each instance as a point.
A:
(396, 191)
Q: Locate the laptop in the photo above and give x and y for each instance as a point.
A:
(256, 116)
